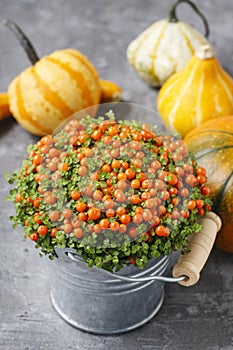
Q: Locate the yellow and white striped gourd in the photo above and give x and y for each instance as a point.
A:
(53, 88)
(199, 92)
(165, 47)
(57, 86)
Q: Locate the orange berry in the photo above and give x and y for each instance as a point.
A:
(104, 224)
(93, 213)
(53, 232)
(130, 173)
(132, 232)
(81, 207)
(135, 184)
(34, 236)
(78, 232)
(67, 213)
(75, 195)
(18, 197)
(125, 219)
(42, 230)
(114, 225)
(106, 168)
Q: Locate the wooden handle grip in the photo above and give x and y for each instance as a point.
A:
(200, 245)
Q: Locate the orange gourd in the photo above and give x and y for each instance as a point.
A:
(199, 92)
(4, 106)
(110, 91)
(212, 145)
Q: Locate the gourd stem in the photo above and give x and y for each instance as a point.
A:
(205, 52)
(23, 39)
(172, 17)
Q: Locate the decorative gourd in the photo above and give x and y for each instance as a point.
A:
(201, 91)
(165, 47)
(55, 87)
(110, 91)
(4, 106)
(212, 145)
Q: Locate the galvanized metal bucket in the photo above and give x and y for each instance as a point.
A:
(100, 302)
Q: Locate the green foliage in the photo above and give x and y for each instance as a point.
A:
(112, 250)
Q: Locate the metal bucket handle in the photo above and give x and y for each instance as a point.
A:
(187, 270)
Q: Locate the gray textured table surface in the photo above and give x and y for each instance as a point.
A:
(200, 317)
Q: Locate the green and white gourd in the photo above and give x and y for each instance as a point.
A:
(165, 47)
